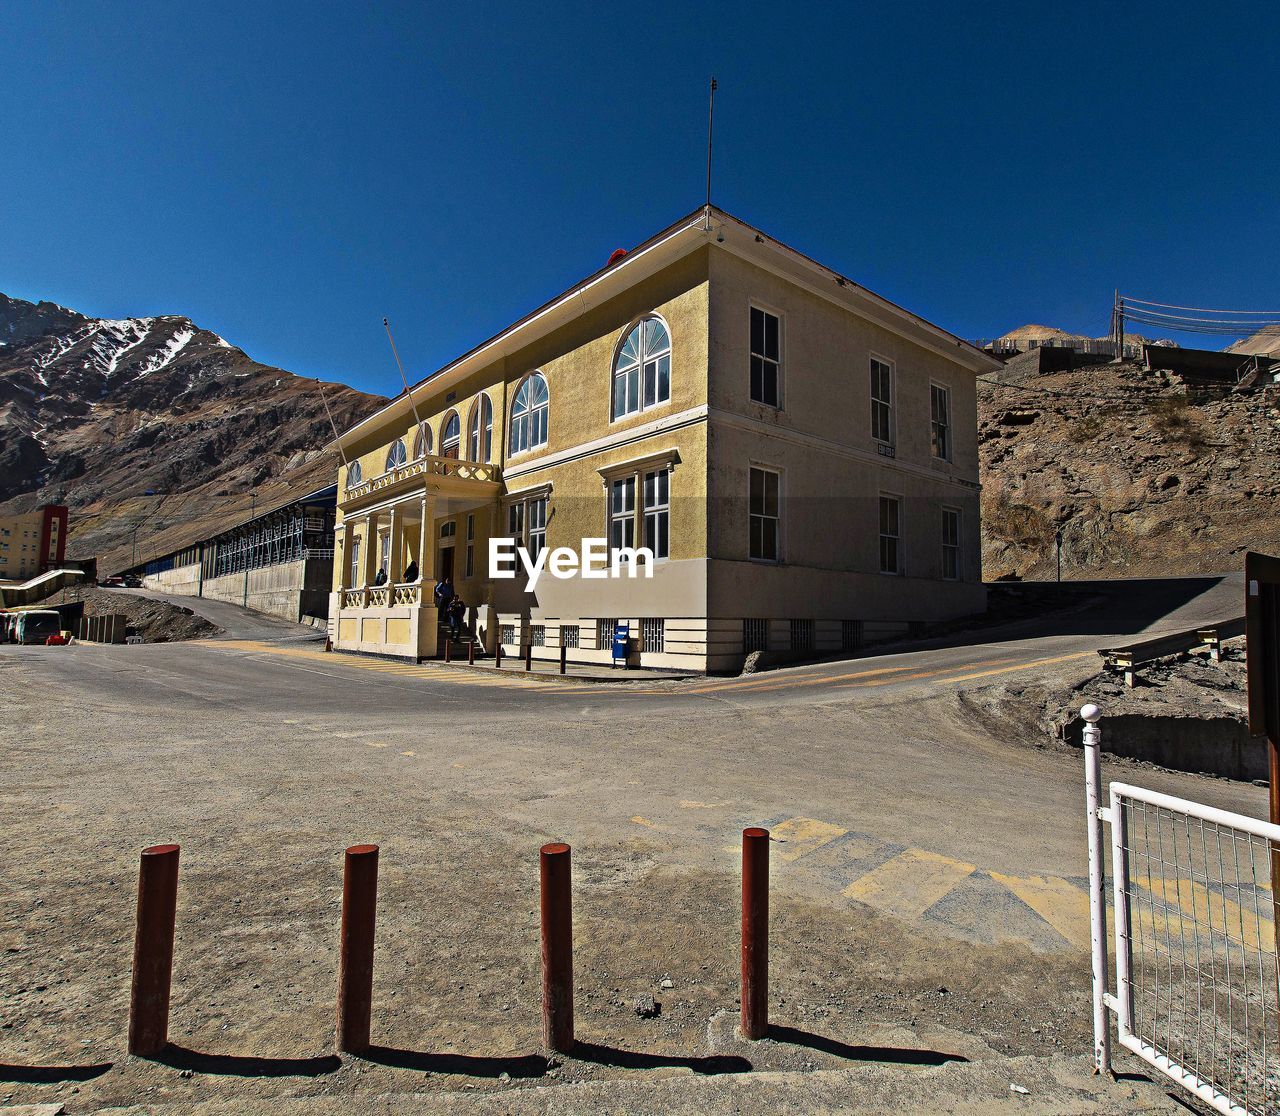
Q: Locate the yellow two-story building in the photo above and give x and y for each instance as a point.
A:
(799, 454)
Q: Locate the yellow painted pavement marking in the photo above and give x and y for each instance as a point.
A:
(1207, 908)
(375, 744)
(802, 836)
(910, 883)
(643, 821)
(689, 804)
(408, 753)
(1060, 903)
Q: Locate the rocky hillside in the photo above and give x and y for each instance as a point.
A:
(1143, 473)
(97, 413)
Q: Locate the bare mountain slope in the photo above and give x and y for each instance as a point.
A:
(1143, 475)
(97, 413)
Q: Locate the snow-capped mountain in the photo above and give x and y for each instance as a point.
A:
(97, 412)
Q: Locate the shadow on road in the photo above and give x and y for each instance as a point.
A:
(634, 1059)
(240, 1065)
(526, 1066)
(48, 1075)
(888, 1054)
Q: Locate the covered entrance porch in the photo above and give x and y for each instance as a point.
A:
(399, 533)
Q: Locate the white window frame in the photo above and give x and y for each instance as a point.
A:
(891, 436)
(395, 460)
(642, 361)
(779, 364)
(659, 512)
(754, 467)
(535, 519)
(480, 430)
(422, 441)
(899, 564)
(527, 420)
(947, 425)
(355, 474)
(354, 559)
(625, 517)
(446, 440)
(948, 510)
(384, 552)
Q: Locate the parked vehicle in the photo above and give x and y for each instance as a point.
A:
(36, 626)
(113, 582)
(132, 581)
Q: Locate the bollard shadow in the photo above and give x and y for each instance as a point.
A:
(526, 1066)
(895, 1055)
(49, 1075)
(634, 1059)
(241, 1065)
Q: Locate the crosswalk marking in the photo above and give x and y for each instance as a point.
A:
(910, 883)
(801, 836)
(1060, 903)
(1207, 908)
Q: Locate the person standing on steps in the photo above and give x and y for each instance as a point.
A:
(443, 591)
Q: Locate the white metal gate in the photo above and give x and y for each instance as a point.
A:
(1197, 986)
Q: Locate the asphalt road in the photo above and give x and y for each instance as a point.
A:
(880, 779)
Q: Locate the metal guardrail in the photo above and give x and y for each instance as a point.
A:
(1130, 658)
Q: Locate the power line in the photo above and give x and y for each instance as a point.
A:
(1204, 310)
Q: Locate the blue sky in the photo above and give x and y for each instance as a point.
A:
(288, 174)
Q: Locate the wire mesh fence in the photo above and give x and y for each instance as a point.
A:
(1198, 992)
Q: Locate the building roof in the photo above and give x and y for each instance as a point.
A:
(705, 225)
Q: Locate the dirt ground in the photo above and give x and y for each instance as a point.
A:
(155, 621)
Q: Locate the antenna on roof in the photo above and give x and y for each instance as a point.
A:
(711, 119)
(404, 379)
(332, 425)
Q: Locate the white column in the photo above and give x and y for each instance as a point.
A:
(369, 560)
(424, 575)
(394, 563)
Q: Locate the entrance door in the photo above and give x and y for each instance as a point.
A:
(446, 562)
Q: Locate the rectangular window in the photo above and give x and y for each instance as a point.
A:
(604, 634)
(537, 526)
(471, 546)
(515, 521)
(569, 635)
(653, 636)
(801, 635)
(890, 535)
(940, 422)
(755, 635)
(764, 515)
(766, 357)
(657, 512)
(538, 635)
(622, 513)
(850, 634)
(384, 552)
(881, 401)
(507, 635)
(951, 544)
(355, 561)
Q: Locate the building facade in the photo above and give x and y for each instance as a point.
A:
(33, 543)
(279, 562)
(799, 454)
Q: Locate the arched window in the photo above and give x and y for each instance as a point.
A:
(354, 474)
(396, 455)
(422, 442)
(529, 414)
(642, 368)
(480, 430)
(451, 435)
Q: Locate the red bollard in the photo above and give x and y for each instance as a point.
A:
(153, 950)
(471, 652)
(355, 959)
(564, 658)
(528, 656)
(497, 655)
(755, 933)
(557, 949)
(448, 645)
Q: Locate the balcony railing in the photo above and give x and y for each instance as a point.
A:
(382, 596)
(430, 467)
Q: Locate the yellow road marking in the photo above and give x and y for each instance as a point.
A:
(1060, 903)
(1207, 907)
(643, 821)
(910, 883)
(802, 836)
(688, 804)
(408, 753)
(769, 683)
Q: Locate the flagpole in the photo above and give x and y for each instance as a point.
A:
(711, 119)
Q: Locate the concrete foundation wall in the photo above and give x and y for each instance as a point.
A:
(290, 591)
(1212, 745)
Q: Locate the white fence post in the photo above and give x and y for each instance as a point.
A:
(1097, 895)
